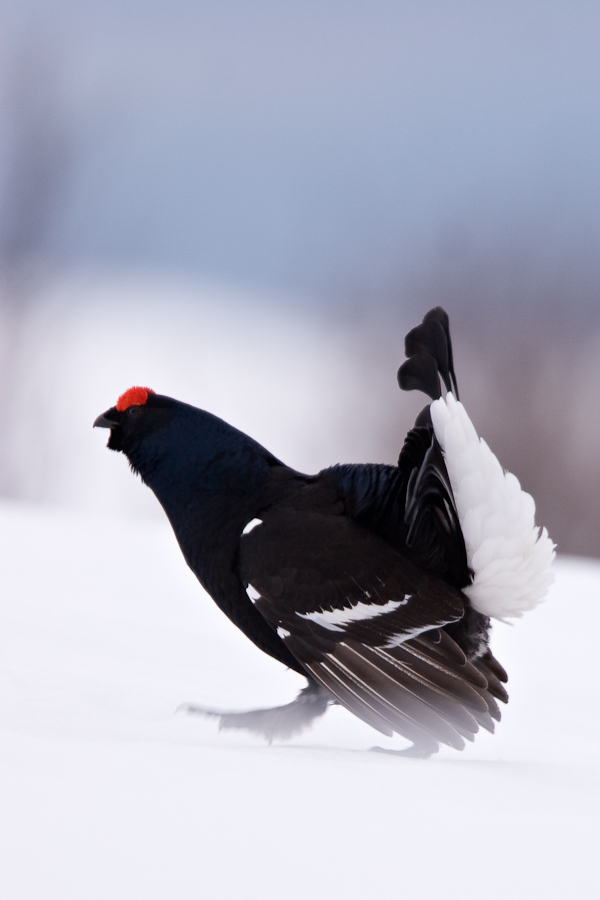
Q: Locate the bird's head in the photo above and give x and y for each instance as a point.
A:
(153, 431)
(168, 442)
(135, 412)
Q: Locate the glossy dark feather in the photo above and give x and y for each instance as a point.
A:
(429, 351)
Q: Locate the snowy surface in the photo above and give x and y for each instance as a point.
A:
(107, 792)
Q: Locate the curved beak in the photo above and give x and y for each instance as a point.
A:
(105, 421)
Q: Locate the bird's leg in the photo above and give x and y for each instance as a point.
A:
(280, 722)
(422, 750)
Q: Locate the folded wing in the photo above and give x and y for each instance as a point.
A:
(367, 624)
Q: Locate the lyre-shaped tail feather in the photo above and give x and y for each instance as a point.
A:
(460, 501)
(429, 351)
(433, 537)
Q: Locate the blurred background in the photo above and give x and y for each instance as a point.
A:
(247, 204)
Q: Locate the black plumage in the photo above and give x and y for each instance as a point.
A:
(353, 577)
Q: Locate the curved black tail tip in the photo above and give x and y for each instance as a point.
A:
(429, 351)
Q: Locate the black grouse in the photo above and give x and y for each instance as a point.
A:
(376, 582)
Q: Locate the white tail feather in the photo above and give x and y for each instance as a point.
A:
(508, 554)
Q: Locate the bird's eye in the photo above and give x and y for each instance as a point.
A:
(133, 411)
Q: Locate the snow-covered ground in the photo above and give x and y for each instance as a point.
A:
(109, 794)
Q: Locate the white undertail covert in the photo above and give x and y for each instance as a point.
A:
(507, 552)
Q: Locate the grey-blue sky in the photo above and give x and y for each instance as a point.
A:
(319, 146)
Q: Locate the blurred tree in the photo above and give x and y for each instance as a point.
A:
(35, 158)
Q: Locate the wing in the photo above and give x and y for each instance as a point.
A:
(366, 624)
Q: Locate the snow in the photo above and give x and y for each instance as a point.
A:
(108, 792)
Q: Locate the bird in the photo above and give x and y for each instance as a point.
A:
(376, 582)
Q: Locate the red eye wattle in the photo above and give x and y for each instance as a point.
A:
(135, 396)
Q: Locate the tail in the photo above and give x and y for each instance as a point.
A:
(508, 556)
(434, 537)
(429, 351)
